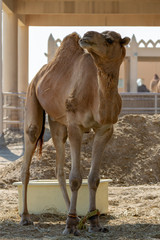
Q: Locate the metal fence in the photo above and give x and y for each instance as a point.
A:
(140, 103)
(13, 110)
(132, 103)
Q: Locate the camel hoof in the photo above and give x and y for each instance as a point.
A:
(95, 225)
(73, 231)
(98, 229)
(71, 226)
(25, 221)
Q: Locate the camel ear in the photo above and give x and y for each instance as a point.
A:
(125, 41)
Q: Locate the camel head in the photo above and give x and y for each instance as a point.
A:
(107, 45)
(156, 77)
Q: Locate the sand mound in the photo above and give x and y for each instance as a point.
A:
(131, 157)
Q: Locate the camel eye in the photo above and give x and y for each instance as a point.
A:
(109, 40)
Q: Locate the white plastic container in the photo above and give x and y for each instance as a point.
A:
(44, 196)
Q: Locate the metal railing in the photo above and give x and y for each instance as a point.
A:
(13, 109)
(140, 103)
(132, 103)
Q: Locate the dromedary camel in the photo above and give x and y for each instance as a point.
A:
(155, 84)
(76, 100)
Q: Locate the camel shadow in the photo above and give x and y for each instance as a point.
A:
(35, 231)
(54, 227)
(6, 153)
(6, 150)
(139, 231)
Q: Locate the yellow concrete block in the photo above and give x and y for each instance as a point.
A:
(44, 196)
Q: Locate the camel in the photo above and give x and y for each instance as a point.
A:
(158, 87)
(78, 89)
(155, 84)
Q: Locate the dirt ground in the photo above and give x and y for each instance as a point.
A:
(131, 160)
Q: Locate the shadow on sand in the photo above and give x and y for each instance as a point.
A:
(6, 153)
(52, 229)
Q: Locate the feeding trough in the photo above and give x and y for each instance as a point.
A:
(44, 196)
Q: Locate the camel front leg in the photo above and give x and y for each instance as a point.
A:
(59, 136)
(75, 178)
(102, 136)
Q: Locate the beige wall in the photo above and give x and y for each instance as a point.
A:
(146, 71)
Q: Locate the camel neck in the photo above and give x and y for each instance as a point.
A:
(108, 79)
(109, 99)
(108, 73)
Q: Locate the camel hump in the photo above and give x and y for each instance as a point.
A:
(70, 45)
(72, 36)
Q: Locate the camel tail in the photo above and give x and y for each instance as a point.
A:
(40, 139)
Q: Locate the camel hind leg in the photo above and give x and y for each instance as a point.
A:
(59, 136)
(33, 129)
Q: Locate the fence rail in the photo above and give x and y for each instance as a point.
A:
(13, 109)
(140, 103)
(132, 103)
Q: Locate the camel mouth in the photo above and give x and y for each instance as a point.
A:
(85, 42)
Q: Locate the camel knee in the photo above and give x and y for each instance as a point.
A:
(75, 183)
(93, 182)
(33, 133)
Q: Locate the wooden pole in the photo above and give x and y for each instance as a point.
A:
(22, 59)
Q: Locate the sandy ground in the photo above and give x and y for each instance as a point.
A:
(131, 159)
(134, 213)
